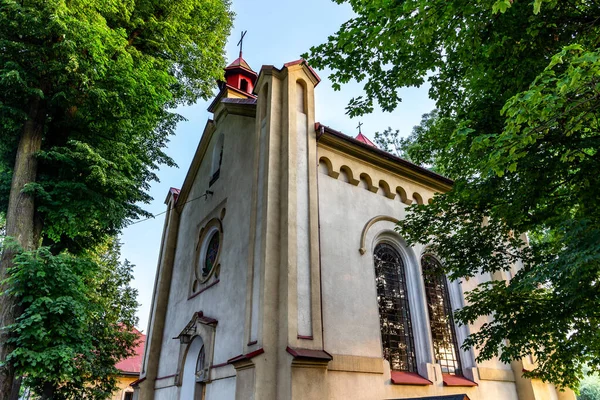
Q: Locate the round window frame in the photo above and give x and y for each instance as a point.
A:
(206, 234)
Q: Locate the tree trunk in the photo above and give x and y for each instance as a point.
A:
(20, 225)
(47, 392)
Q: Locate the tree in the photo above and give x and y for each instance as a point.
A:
(425, 145)
(85, 93)
(78, 319)
(519, 89)
(590, 386)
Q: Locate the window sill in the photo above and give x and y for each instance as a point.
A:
(455, 380)
(409, 378)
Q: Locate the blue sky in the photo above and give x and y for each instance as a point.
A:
(278, 32)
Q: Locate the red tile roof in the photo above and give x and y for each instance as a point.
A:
(303, 61)
(133, 364)
(364, 139)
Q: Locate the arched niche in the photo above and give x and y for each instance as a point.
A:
(403, 196)
(301, 101)
(368, 182)
(326, 166)
(386, 190)
(348, 175)
(418, 198)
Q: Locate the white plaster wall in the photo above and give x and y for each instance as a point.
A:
(350, 312)
(221, 389)
(225, 301)
(170, 393)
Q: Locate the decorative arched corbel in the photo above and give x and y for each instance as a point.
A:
(369, 181)
(403, 196)
(386, 190)
(351, 180)
(418, 198)
(327, 162)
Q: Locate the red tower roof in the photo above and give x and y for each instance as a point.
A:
(240, 62)
(364, 139)
(240, 76)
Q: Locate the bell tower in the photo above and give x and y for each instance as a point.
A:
(239, 76)
(239, 81)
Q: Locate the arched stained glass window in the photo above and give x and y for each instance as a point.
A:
(445, 345)
(394, 312)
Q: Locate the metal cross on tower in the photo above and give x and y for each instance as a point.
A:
(241, 42)
(360, 124)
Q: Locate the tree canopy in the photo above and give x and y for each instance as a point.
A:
(78, 321)
(87, 90)
(108, 74)
(517, 91)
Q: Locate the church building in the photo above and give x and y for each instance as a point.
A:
(281, 276)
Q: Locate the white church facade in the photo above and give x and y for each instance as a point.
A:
(281, 276)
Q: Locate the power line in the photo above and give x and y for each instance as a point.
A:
(205, 195)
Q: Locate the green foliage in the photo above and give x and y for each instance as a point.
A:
(479, 57)
(590, 387)
(517, 89)
(78, 319)
(107, 72)
(425, 145)
(390, 141)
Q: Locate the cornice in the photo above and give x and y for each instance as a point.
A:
(243, 109)
(383, 160)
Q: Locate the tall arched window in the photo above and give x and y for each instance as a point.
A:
(394, 312)
(443, 333)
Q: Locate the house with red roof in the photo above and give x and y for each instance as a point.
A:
(129, 370)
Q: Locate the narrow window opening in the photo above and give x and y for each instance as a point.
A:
(244, 85)
(394, 312)
(443, 334)
(217, 159)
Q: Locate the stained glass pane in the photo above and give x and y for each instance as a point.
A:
(212, 251)
(200, 365)
(394, 312)
(445, 345)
